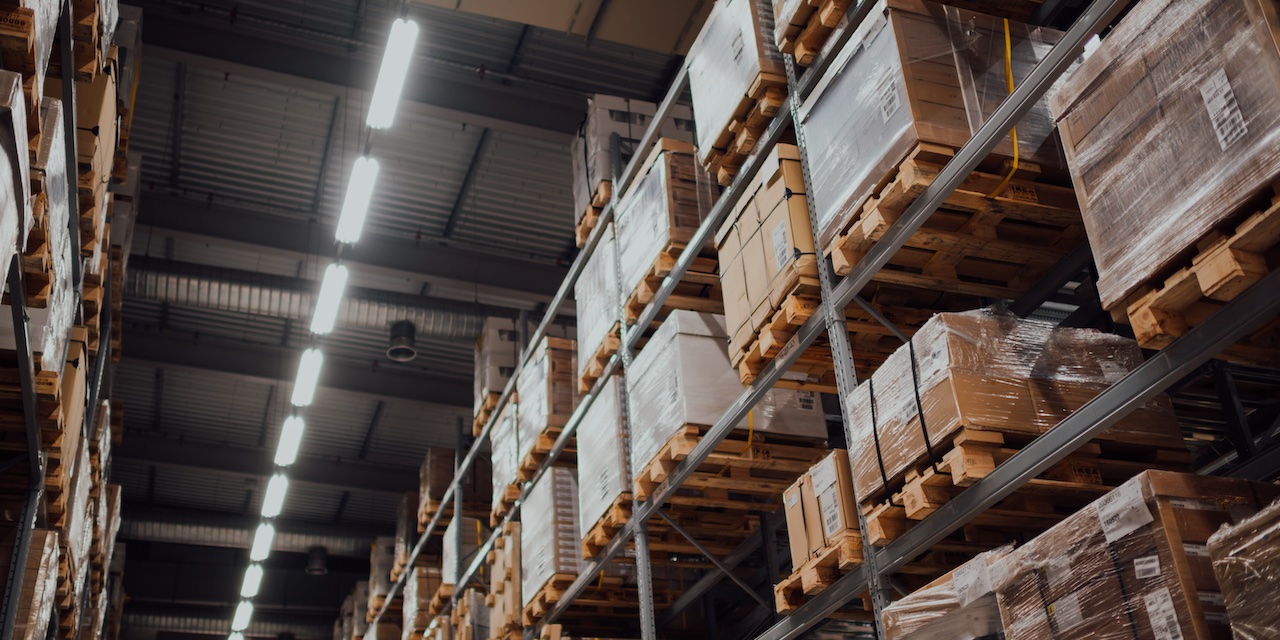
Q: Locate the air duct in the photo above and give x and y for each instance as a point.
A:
(217, 530)
(223, 289)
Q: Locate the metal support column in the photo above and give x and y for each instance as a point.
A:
(1238, 430)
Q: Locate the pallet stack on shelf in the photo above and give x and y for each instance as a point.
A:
(436, 473)
(926, 181)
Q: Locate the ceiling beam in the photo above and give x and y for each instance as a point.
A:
(247, 462)
(146, 522)
(521, 281)
(271, 364)
(320, 64)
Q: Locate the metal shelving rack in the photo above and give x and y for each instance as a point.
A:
(1235, 320)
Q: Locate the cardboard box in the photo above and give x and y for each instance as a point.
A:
(382, 556)
(812, 516)
(550, 541)
(596, 295)
(462, 547)
(960, 604)
(1181, 103)
(497, 349)
(548, 391)
(794, 510)
(832, 483)
(1246, 561)
(603, 471)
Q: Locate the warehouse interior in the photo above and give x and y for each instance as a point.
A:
(243, 127)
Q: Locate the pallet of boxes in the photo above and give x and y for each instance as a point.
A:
(506, 605)
(381, 561)
(435, 477)
(497, 351)
(420, 585)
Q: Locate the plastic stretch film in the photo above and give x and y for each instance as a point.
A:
(344, 626)
(549, 538)
(473, 535)
(421, 584)
(1131, 565)
(497, 349)
(503, 451)
(406, 527)
(1246, 561)
(988, 370)
(915, 72)
(1170, 128)
(958, 606)
(382, 556)
(470, 616)
(661, 210)
(734, 47)
(15, 208)
(548, 392)
(596, 293)
(683, 377)
(38, 589)
(437, 474)
(360, 607)
(602, 456)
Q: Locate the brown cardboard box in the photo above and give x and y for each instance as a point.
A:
(1246, 562)
(833, 485)
(812, 516)
(959, 604)
(797, 532)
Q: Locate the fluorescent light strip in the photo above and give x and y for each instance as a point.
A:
(391, 76)
(355, 207)
(262, 542)
(304, 389)
(273, 502)
(330, 299)
(290, 440)
(235, 635)
(252, 580)
(244, 613)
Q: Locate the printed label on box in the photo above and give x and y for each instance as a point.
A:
(1164, 618)
(971, 581)
(887, 93)
(1211, 599)
(829, 501)
(824, 474)
(781, 248)
(789, 348)
(1189, 504)
(1195, 550)
(1148, 567)
(1123, 511)
(1224, 111)
(1217, 618)
(808, 400)
(1066, 612)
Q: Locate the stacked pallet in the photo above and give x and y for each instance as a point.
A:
(461, 540)
(35, 599)
(497, 350)
(436, 474)
(420, 586)
(469, 616)
(546, 388)
(382, 556)
(505, 452)
(598, 313)
(504, 600)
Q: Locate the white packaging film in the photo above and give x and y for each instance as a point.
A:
(958, 606)
(504, 448)
(472, 537)
(360, 606)
(547, 391)
(495, 358)
(596, 293)
(549, 539)
(602, 456)
(382, 557)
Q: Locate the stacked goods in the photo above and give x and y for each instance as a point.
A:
(546, 388)
(1180, 103)
(504, 449)
(457, 554)
(115, 579)
(599, 316)
(382, 557)
(611, 118)
(359, 610)
(679, 385)
(504, 601)
(1246, 562)
(77, 508)
(657, 217)
(128, 41)
(435, 476)
(604, 490)
(979, 385)
(1133, 564)
(549, 556)
(912, 90)
(440, 629)
(343, 626)
(497, 350)
(406, 532)
(738, 83)
(801, 27)
(27, 30)
(470, 616)
(419, 587)
(960, 604)
(38, 589)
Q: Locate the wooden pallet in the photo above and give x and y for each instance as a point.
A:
(593, 368)
(591, 216)
(819, 573)
(542, 445)
(608, 603)
(809, 26)
(486, 411)
(503, 504)
(18, 43)
(698, 289)
(607, 527)
(469, 510)
(765, 96)
(1223, 265)
(974, 244)
(745, 472)
(1093, 470)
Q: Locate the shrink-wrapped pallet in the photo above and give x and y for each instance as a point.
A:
(455, 559)
(988, 370)
(602, 455)
(596, 293)
(36, 592)
(549, 538)
(546, 386)
(913, 72)
(470, 616)
(683, 377)
(1170, 127)
(437, 473)
(592, 148)
(1246, 561)
(957, 606)
(359, 608)
(1133, 564)
(497, 350)
(406, 528)
(382, 556)
(420, 585)
(504, 449)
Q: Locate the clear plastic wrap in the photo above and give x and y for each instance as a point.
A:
(1246, 561)
(470, 616)
(1170, 127)
(360, 608)
(504, 447)
(406, 527)
(1133, 564)
(602, 455)
(473, 534)
(15, 194)
(958, 606)
(437, 473)
(549, 540)
(382, 556)
(39, 586)
(663, 208)
(735, 46)
(913, 72)
(548, 391)
(497, 350)
(683, 376)
(109, 14)
(596, 293)
(988, 370)
(51, 164)
(419, 586)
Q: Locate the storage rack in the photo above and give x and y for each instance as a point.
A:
(1235, 320)
(33, 513)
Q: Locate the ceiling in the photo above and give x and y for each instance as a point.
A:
(248, 116)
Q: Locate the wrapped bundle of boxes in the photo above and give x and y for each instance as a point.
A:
(435, 476)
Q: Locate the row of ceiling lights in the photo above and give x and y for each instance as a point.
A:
(355, 207)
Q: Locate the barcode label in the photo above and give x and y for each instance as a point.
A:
(887, 93)
(1211, 599)
(1066, 612)
(1217, 617)
(1196, 550)
(1189, 504)
(807, 400)
(1123, 511)
(830, 503)
(791, 499)
(781, 248)
(1224, 111)
(1164, 618)
(971, 581)
(1148, 567)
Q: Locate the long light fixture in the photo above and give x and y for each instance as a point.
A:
(290, 440)
(273, 502)
(395, 66)
(304, 388)
(355, 206)
(330, 300)
(235, 635)
(252, 580)
(244, 613)
(262, 542)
